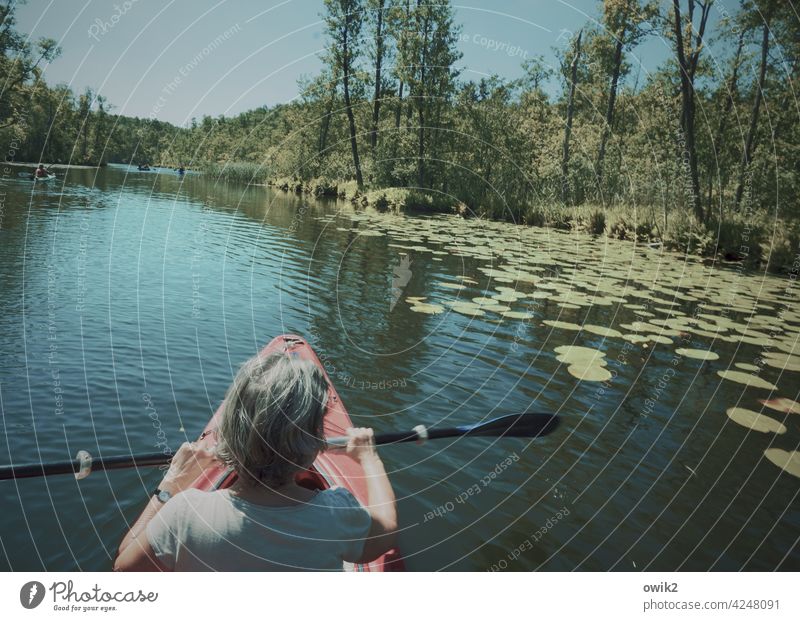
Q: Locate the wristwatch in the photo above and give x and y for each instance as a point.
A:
(162, 495)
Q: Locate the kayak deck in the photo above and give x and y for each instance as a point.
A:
(329, 469)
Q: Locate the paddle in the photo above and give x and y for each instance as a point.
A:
(525, 425)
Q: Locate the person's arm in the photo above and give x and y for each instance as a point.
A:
(135, 552)
(382, 506)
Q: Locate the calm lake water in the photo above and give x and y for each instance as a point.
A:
(122, 289)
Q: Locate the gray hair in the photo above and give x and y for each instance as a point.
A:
(271, 421)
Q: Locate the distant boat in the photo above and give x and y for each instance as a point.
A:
(31, 177)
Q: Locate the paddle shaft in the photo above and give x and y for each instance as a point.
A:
(528, 425)
(116, 462)
(120, 462)
(397, 437)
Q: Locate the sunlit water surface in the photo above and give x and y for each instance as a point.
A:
(126, 293)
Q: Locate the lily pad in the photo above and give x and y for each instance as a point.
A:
(747, 379)
(706, 333)
(657, 338)
(697, 354)
(516, 315)
(755, 421)
(782, 404)
(428, 309)
(602, 331)
(784, 362)
(589, 372)
(760, 341)
(788, 461)
(745, 331)
(496, 308)
(566, 349)
(575, 354)
(563, 325)
(465, 308)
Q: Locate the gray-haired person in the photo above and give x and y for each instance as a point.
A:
(270, 428)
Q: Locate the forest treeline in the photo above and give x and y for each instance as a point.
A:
(51, 123)
(699, 153)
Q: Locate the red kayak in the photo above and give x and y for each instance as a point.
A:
(329, 470)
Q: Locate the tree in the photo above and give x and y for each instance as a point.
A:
(728, 93)
(536, 118)
(377, 20)
(765, 13)
(688, 56)
(398, 26)
(319, 96)
(101, 136)
(624, 20)
(426, 61)
(84, 124)
(573, 82)
(19, 64)
(344, 20)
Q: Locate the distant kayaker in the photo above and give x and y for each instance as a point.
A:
(271, 428)
(41, 171)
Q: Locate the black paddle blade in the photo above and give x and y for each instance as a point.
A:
(525, 425)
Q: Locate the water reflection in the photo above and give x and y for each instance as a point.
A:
(159, 285)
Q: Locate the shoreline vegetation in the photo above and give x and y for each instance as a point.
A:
(56, 166)
(700, 154)
(750, 239)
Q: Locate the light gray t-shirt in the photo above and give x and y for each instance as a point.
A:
(205, 531)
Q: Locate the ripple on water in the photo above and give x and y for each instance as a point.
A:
(180, 289)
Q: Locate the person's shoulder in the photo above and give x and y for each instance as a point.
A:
(350, 516)
(200, 495)
(194, 502)
(192, 497)
(340, 497)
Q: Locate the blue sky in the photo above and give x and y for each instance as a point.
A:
(178, 59)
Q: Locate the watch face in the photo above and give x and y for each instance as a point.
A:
(164, 496)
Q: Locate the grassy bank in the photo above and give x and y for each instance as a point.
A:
(756, 239)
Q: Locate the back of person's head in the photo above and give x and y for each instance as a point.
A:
(271, 423)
